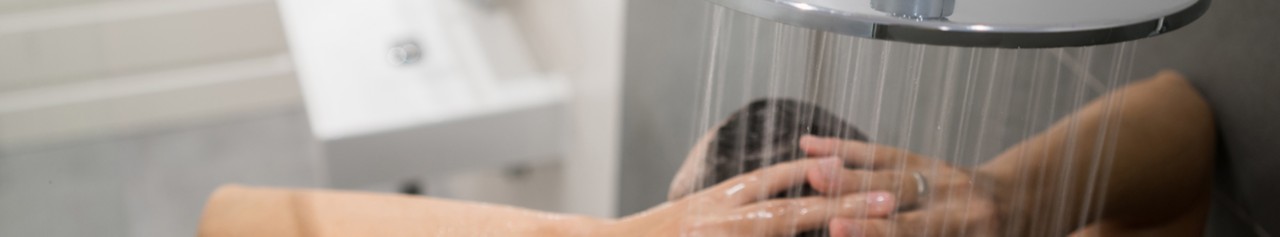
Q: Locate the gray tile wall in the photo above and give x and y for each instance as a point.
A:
(1231, 54)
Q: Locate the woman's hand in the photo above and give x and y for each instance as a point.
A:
(950, 202)
(741, 207)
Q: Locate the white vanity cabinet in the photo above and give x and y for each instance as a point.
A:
(397, 89)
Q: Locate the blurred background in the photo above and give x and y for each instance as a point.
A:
(120, 117)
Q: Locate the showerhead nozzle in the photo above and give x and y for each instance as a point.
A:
(983, 23)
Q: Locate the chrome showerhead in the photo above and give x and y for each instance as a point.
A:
(983, 23)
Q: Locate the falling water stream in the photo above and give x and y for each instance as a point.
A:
(960, 105)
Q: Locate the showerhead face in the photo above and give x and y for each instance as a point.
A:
(983, 23)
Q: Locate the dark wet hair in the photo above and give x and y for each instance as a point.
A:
(766, 132)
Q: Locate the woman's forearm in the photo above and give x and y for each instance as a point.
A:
(248, 211)
(728, 209)
(1162, 142)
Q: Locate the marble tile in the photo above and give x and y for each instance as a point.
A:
(151, 184)
(72, 191)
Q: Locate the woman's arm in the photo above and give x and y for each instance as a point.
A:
(1159, 174)
(736, 207)
(249, 211)
(1158, 182)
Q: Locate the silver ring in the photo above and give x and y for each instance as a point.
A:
(922, 187)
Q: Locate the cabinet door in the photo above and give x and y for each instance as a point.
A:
(402, 88)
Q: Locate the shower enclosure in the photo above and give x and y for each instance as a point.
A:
(961, 103)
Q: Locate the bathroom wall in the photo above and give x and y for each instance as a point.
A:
(118, 118)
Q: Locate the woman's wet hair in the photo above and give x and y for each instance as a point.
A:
(766, 132)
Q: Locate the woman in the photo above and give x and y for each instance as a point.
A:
(1158, 186)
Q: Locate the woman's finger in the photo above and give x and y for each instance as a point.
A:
(794, 215)
(830, 177)
(971, 218)
(859, 153)
(956, 217)
(938, 221)
(761, 183)
(864, 228)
